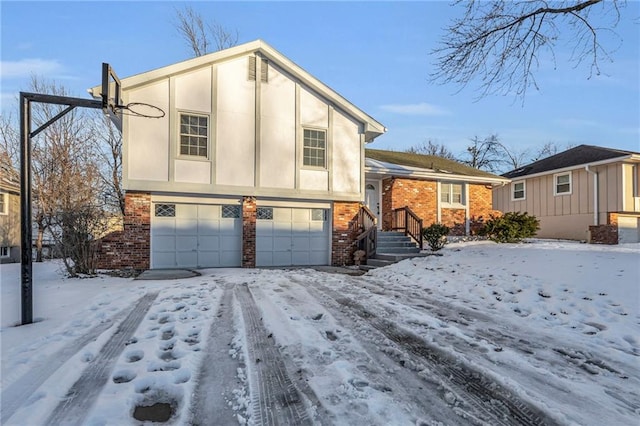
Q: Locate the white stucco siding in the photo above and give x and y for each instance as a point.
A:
(148, 138)
(346, 154)
(277, 131)
(189, 171)
(193, 91)
(314, 180)
(235, 125)
(313, 110)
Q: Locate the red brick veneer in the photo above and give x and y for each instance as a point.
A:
(249, 214)
(343, 233)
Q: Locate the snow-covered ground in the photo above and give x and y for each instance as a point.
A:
(547, 329)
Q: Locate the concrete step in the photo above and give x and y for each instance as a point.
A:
(402, 243)
(398, 250)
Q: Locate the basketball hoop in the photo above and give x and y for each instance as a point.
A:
(139, 109)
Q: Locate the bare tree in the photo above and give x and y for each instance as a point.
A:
(549, 149)
(502, 43)
(203, 37)
(109, 147)
(485, 154)
(67, 189)
(432, 148)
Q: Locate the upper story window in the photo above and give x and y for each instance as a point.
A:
(562, 183)
(315, 148)
(518, 191)
(194, 135)
(4, 203)
(451, 193)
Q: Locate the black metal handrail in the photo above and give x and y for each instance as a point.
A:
(367, 238)
(404, 219)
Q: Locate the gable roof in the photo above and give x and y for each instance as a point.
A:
(420, 165)
(372, 128)
(579, 155)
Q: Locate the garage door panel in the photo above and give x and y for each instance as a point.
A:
(197, 236)
(292, 238)
(301, 243)
(209, 242)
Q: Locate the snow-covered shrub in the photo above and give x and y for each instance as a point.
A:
(436, 235)
(512, 227)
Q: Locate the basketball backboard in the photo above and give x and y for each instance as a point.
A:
(111, 95)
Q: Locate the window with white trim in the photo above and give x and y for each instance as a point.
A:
(318, 214)
(194, 135)
(562, 183)
(5, 251)
(314, 148)
(452, 193)
(518, 191)
(4, 203)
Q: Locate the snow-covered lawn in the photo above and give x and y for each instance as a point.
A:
(554, 326)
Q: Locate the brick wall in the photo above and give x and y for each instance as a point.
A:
(131, 247)
(455, 220)
(249, 211)
(603, 234)
(419, 195)
(343, 235)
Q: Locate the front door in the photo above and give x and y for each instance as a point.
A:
(372, 199)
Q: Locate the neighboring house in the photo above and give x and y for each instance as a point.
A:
(585, 193)
(256, 163)
(9, 212)
(436, 189)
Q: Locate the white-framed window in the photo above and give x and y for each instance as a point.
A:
(4, 203)
(314, 148)
(518, 191)
(194, 135)
(452, 193)
(562, 183)
(5, 251)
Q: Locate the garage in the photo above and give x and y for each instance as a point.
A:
(195, 235)
(287, 236)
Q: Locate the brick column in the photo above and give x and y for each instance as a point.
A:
(343, 235)
(137, 231)
(249, 232)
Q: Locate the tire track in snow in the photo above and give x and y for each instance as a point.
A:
(491, 401)
(218, 375)
(21, 390)
(275, 399)
(74, 408)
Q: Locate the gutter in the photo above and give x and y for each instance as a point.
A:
(595, 193)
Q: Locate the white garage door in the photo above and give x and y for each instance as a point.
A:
(195, 236)
(292, 236)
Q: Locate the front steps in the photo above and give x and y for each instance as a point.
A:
(392, 247)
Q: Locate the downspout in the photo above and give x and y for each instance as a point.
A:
(595, 195)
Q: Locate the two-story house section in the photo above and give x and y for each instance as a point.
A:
(255, 163)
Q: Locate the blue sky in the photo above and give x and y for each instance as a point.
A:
(376, 54)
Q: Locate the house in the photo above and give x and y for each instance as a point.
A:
(435, 189)
(585, 193)
(9, 211)
(255, 163)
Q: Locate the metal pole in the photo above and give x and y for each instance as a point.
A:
(26, 231)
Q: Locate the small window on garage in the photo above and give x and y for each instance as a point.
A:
(165, 210)
(230, 212)
(319, 215)
(264, 213)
